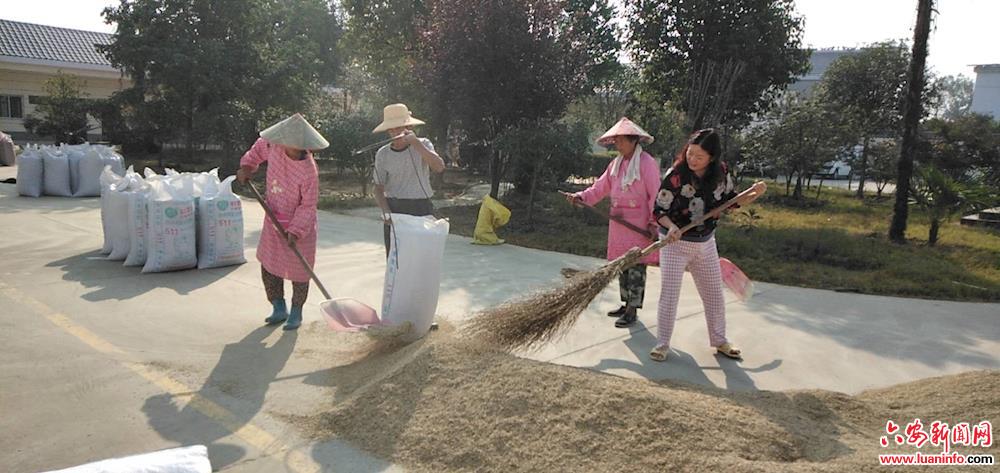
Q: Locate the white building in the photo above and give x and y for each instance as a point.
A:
(986, 94)
(819, 61)
(30, 54)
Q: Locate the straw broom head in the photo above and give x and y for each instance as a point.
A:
(540, 317)
(531, 321)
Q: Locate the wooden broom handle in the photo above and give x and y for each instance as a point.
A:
(698, 221)
(284, 234)
(621, 221)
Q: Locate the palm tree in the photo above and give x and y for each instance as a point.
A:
(942, 197)
(911, 120)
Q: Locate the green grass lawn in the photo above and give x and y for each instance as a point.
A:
(838, 242)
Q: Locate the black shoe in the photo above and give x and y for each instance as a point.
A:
(618, 312)
(627, 319)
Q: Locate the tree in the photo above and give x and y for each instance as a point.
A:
(214, 71)
(592, 22)
(955, 97)
(347, 133)
(867, 90)
(381, 40)
(797, 136)
(883, 156)
(943, 197)
(492, 64)
(748, 50)
(966, 149)
(63, 110)
(543, 153)
(913, 111)
(609, 101)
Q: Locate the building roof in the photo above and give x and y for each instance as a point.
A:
(820, 60)
(986, 67)
(49, 43)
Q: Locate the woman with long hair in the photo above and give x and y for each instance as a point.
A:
(697, 185)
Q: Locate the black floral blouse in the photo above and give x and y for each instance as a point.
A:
(682, 198)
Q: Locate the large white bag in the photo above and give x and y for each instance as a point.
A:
(202, 184)
(75, 155)
(110, 157)
(90, 168)
(108, 178)
(56, 180)
(171, 233)
(30, 169)
(206, 183)
(413, 272)
(192, 459)
(220, 228)
(118, 200)
(137, 222)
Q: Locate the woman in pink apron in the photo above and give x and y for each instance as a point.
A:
(632, 181)
(292, 193)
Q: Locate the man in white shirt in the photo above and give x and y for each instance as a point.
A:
(403, 167)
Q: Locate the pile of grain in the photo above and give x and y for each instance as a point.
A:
(443, 405)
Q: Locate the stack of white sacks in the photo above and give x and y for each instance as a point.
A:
(172, 222)
(64, 170)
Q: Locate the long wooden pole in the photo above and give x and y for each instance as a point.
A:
(284, 234)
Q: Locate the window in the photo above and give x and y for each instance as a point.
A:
(10, 106)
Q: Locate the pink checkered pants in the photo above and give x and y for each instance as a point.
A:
(702, 259)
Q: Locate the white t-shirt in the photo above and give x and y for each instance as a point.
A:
(403, 173)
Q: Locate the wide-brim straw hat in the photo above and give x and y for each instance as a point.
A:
(627, 128)
(295, 132)
(396, 115)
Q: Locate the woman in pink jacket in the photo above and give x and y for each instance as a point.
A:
(292, 193)
(632, 180)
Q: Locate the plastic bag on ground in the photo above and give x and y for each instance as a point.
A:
(110, 157)
(492, 215)
(90, 168)
(108, 178)
(171, 232)
(30, 169)
(413, 272)
(191, 459)
(56, 178)
(75, 156)
(137, 221)
(220, 228)
(118, 201)
(206, 184)
(6, 150)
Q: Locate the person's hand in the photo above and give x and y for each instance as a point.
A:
(653, 229)
(673, 234)
(243, 175)
(759, 188)
(573, 199)
(715, 213)
(410, 137)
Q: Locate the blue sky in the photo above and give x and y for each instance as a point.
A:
(966, 31)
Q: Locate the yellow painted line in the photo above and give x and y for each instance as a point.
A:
(259, 438)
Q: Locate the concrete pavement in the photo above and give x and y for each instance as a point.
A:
(103, 361)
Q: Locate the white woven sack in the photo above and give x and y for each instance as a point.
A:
(220, 230)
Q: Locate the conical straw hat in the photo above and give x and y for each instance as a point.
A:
(625, 127)
(295, 132)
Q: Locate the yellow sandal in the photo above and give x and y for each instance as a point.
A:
(659, 353)
(729, 350)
